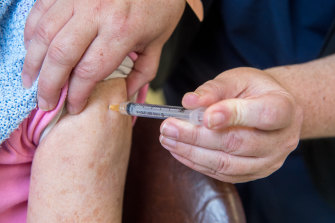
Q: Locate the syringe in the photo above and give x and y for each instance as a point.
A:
(159, 111)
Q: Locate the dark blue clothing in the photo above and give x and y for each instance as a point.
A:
(261, 34)
(287, 195)
(255, 33)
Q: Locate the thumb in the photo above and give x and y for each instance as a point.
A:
(144, 70)
(266, 112)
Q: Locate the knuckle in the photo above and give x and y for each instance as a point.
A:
(239, 113)
(277, 166)
(87, 71)
(189, 152)
(210, 86)
(271, 168)
(276, 114)
(58, 53)
(224, 164)
(231, 142)
(184, 150)
(269, 116)
(292, 143)
(271, 164)
(195, 136)
(41, 5)
(43, 33)
(121, 23)
(121, 29)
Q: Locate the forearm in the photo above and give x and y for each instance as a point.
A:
(312, 85)
(79, 169)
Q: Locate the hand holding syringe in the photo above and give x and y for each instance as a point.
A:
(159, 111)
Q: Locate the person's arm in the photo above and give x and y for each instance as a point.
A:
(79, 168)
(312, 85)
(89, 39)
(254, 119)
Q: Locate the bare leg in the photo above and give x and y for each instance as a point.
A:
(79, 169)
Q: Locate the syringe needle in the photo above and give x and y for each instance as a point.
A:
(114, 107)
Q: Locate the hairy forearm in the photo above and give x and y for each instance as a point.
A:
(79, 169)
(312, 85)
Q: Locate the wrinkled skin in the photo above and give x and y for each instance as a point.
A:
(86, 40)
(250, 126)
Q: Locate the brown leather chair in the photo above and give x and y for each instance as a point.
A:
(160, 189)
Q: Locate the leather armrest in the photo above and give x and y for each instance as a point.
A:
(160, 189)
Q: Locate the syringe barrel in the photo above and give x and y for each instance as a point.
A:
(161, 112)
(123, 108)
(196, 116)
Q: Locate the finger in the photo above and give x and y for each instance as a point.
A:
(213, 161)
(212, 91)
(235, 141)
(267, 112)
(144, 70)
(96, 64)
(37, 11)
(235, 83)
(44, 33)
(87, 85)
(215, 175)
(63, 54)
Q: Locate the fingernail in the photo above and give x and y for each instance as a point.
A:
(43, 104)
(74, 110)
(26, 81)
(215, 119)
(169, 131)
(193, 96)
(133, 56)
(167, 143)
